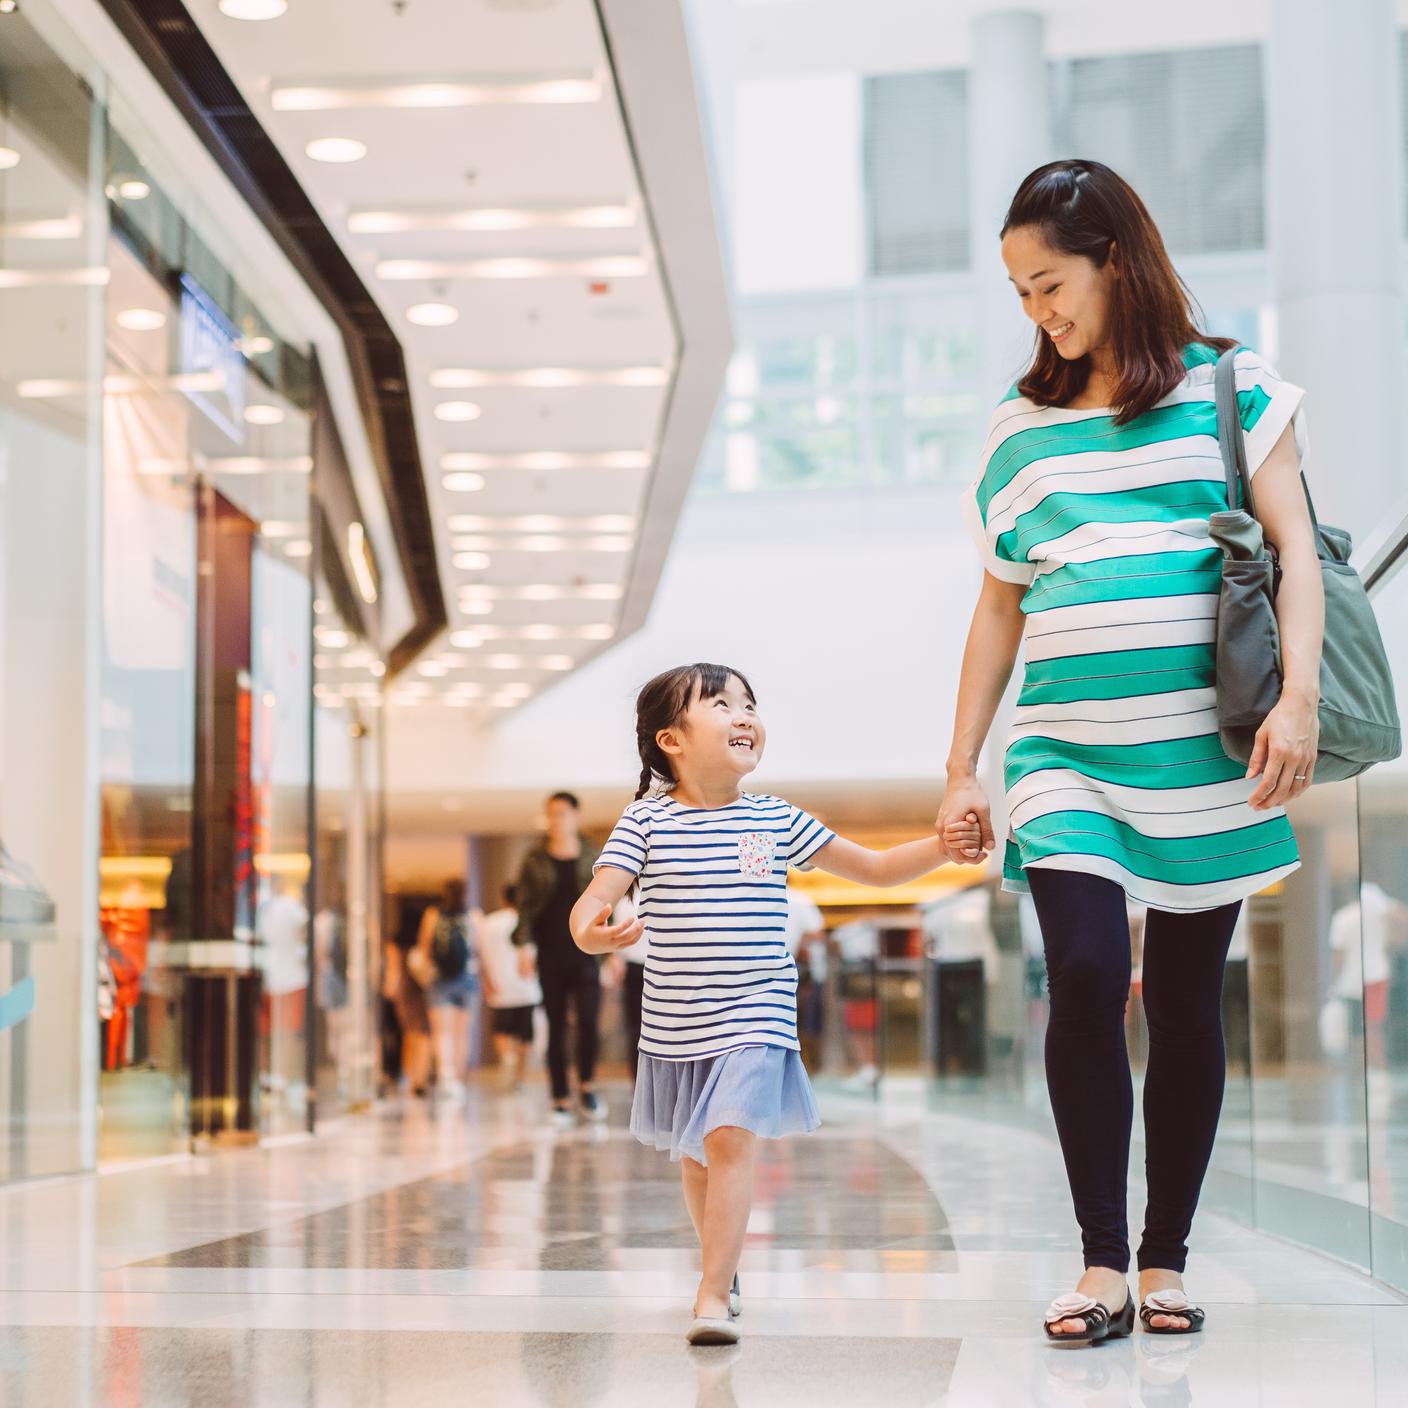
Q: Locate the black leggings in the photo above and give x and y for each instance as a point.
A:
(1085, 928)
(578, 984)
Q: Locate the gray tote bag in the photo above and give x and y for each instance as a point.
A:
(1358, 716)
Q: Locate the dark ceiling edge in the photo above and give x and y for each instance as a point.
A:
(171, 45)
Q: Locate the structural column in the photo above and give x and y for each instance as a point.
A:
(1009, 135)
(1335, 234)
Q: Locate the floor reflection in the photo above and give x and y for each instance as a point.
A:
(585, 1203)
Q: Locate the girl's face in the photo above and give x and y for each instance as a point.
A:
(1065, 295)
(720, 736)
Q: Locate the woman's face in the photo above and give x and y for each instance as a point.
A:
(1065, 295)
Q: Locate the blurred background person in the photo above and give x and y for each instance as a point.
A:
(806, 942)
(444, 938)
(409, 972)
(511, 989)
(553, 877)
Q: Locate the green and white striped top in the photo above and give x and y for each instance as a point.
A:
(1113, 766)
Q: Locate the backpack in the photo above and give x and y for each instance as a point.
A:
(450, 948)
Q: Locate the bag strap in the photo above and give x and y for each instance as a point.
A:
(1231, 440)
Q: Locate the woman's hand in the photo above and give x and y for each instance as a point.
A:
(1284, 752)
(965, 797)
(527, 962)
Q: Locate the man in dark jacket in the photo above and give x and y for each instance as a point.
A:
(550, 883)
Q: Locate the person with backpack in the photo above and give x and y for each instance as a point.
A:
(448, 957)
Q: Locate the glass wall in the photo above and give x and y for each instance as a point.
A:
(166, 971)
(52, 273)
(347, 922)
(1372, 983)
(206, 763)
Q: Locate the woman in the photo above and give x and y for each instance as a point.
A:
(448, 958)
(1099, 473)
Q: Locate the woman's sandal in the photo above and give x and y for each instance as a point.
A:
(1175, 1304)
(1099, 1325)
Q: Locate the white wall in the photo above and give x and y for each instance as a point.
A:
(796, 205)
(847, 611)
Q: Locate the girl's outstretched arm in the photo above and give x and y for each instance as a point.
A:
(590, 931)
(899, 864)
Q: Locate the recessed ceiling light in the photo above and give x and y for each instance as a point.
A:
(141, 319)
(299, 547)
(432, 669)
(263, 414)
(253, 9)
(8, 157)
(477, 608)
(472, 561)
(337, 150)
(596, 632)
(256, 346)
(464, 483)
(458, 411)
(133, 190)
(505, 662)
(467, 640)
(432, 315)
(331, 637)
(557, 662)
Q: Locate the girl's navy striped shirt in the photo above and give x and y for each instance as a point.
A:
(713, 897)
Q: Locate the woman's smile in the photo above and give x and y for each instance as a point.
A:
(1060, 332)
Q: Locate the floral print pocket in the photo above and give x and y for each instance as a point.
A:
(756, 850)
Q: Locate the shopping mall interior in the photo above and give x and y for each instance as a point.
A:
(417, 379)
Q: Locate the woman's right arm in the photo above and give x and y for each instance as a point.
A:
(994, 637)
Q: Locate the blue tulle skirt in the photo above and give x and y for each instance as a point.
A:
(761, 1088)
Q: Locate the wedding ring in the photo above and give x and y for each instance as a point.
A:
(1300, 777)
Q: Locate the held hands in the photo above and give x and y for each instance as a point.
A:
(1284, 752)
(964, 824)
(600, 937)
(963, 836)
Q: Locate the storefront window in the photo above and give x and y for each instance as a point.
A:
(206, 692)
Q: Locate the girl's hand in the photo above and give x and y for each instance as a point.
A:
(965, 800)
(965, 836)
(601, 937)
(1284, 752)
(527, 961)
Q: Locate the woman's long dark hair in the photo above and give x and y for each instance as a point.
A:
(662, 703)
(1084, 208)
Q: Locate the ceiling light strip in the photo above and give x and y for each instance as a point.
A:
(605, 266)
(492, 218)
(547, 378)
(461, 91)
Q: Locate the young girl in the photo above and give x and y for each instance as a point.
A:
(719, 1058)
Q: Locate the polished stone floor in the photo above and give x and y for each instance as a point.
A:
(469, 1255)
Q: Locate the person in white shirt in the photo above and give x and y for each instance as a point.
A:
(806, 942)
(511, 989)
